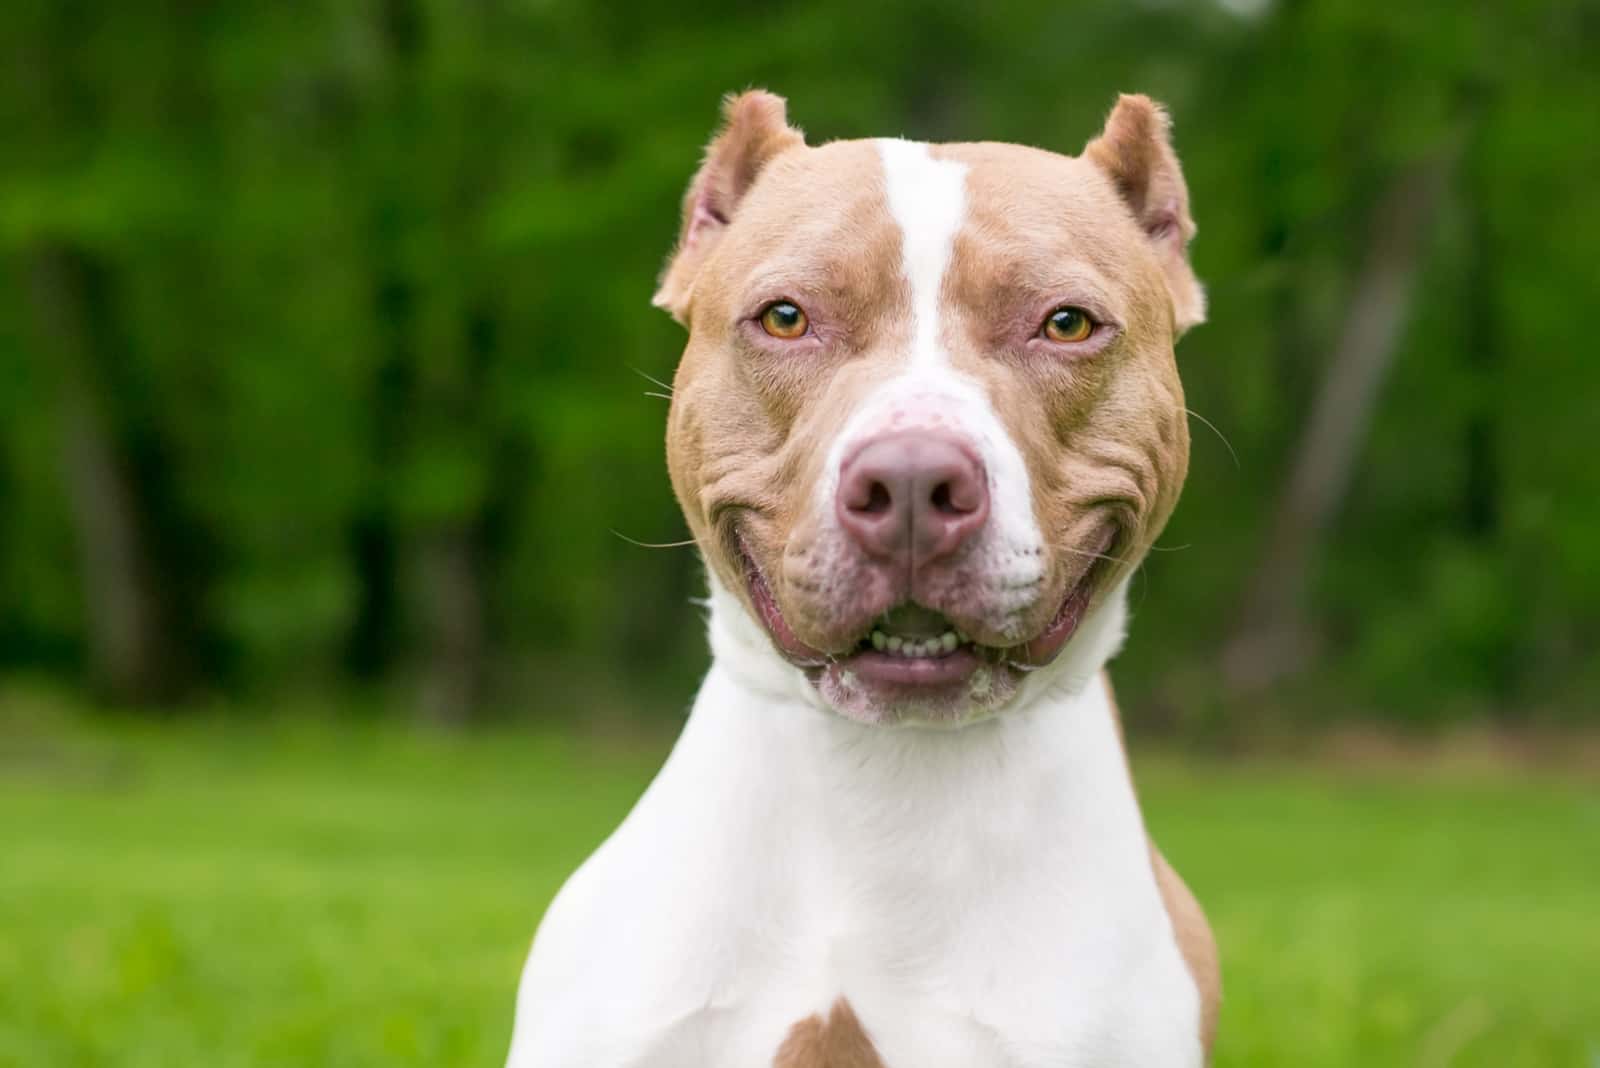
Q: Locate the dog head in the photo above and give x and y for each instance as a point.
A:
(928, 419)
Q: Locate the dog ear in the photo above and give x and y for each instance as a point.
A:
(1135, 151)
(755, 128)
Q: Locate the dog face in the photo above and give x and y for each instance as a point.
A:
(928, 417)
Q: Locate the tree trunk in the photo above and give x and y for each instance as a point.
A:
(1483, 351)
(452, 618)
(128, 645)
(1274, 637)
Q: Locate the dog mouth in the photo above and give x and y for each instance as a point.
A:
(911, 652)
(911, 632)
(912, 646)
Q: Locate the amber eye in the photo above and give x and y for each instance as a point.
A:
(784, 321)
(1068, 325)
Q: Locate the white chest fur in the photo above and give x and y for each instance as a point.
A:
(982, 897)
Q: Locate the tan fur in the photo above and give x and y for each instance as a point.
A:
(1135, 149)
(748, 428)
(755, 130)
(748, 431)
(1189, 925)
(1195, 942)
(1110, 434)
(837, 1042)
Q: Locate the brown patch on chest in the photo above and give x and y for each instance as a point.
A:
(837, 1042)
(1189, 925)
(1195, 942)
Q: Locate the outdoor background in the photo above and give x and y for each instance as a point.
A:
(327, 435)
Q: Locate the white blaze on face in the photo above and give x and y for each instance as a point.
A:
(927, 198)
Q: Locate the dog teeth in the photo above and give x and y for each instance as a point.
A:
(912, 648)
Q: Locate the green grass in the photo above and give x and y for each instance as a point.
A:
(218, 895)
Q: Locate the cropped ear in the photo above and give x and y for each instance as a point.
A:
(755, 129)
(1135, 151)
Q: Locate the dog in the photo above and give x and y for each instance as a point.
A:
(927, 423)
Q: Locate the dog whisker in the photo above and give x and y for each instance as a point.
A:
(653, 393)
(653, 380)
(1220, 436)
(1093, 556)
(653, 544)
(1141, 574)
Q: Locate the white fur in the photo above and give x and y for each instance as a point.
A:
(983, 897)
(928, 199)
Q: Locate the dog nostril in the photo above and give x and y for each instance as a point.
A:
(879, 500)
(943, 501)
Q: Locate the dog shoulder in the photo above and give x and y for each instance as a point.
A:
(1190, 928)
(1195, 942)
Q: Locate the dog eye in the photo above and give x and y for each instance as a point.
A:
(784, 321)
(1068, 325)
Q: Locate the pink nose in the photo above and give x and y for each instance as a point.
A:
(912, 497)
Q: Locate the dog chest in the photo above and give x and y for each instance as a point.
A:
(987, 913)
(1058, 1006)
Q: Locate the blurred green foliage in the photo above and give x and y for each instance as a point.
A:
(339, 306)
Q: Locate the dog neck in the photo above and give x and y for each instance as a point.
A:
(761, 712)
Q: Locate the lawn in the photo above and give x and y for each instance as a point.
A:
(218, 894)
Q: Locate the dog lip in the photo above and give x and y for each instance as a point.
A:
(914, 673)
(766, 605)
(1043, 647)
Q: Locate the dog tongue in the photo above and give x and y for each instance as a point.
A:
(914, 621)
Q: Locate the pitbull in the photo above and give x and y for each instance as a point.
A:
(927, 424)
